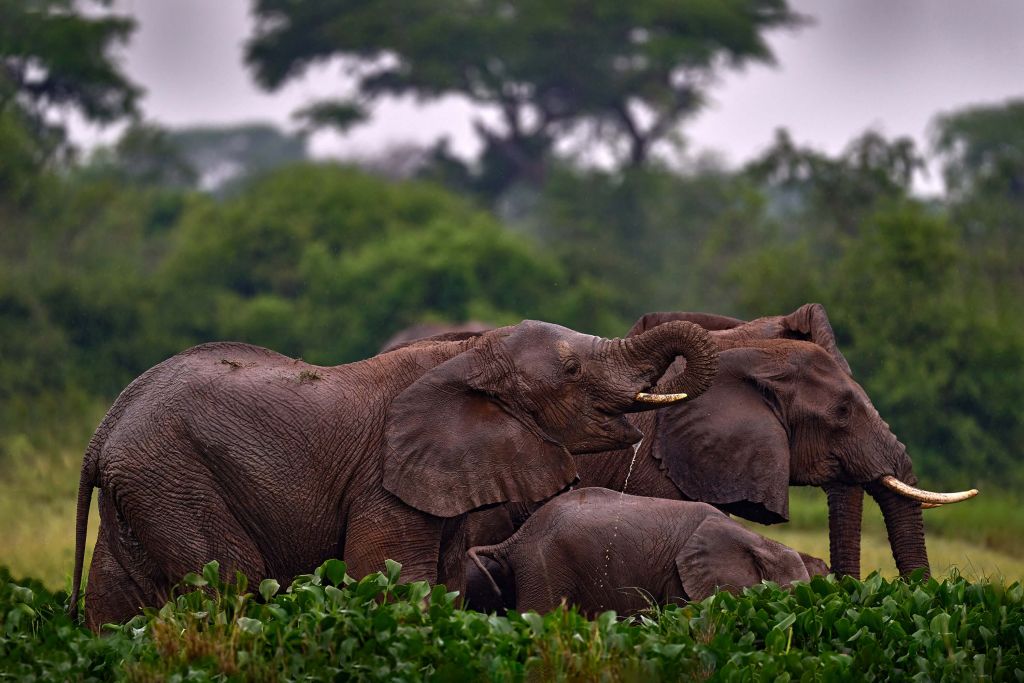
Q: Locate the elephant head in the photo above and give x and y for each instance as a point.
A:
(786, 410)
(499, 421)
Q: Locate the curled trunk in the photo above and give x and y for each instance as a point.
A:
(657, 348)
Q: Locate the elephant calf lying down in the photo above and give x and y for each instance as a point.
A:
(600, 549)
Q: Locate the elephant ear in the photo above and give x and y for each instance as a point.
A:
(810, 323)
(454, 444)
(709, 321)
(721, 554)
(729, 447)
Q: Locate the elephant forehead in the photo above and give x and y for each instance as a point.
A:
(538, 329)
(540, 349)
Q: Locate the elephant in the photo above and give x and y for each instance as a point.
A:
(602, 550)
(271, 465)
(784, 410)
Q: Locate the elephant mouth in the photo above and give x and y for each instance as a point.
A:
(928, 499)
(609, 434)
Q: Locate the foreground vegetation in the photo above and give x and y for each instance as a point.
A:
(327, 626)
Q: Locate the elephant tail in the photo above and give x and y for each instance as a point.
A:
(86, 483)
(487, 551)
(90, 477)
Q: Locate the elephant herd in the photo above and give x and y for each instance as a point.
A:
(523, 465)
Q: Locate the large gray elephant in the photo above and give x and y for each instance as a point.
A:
(270, 465)
(784, 410)
(599, 549)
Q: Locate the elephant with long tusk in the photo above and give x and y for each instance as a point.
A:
(784, 410)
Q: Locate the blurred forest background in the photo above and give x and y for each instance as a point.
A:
(113, 259)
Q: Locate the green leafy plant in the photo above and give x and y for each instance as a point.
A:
(328, 625)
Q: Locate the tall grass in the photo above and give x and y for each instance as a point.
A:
(41, 447)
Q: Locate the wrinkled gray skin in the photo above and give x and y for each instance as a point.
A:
(784, 410)
(599, 550)
(271, 466)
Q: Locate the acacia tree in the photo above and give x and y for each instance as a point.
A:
(631, 71)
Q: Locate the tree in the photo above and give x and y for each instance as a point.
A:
(982, 154)
(224, 156)
(835, 193)
(940, 364)
(327, 262)
(53, 57)
(656, 239)
(982, 149)
(630, 71)
(144, 155)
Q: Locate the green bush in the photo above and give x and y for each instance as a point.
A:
(328, 626)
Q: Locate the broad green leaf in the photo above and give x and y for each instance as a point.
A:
(193, 579)
(269, 588)
(211, 572)
(251, 626)
(334, 571)
(394, 569)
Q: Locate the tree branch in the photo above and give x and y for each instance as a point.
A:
(638, 142)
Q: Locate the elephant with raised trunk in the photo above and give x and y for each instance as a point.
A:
(235, 453)
(784, 410)
(599, 550)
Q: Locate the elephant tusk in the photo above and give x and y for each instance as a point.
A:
(659, 399)
(928, 497)
(929, 506)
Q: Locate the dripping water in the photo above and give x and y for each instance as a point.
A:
(636, 449)
(615, 523)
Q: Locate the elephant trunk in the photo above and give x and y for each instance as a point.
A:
(905, 526)
(845, 508)
(657, 348)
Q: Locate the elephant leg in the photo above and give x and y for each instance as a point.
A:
(545, 575)
(451, 566)
(382, 527)
(119, 583)
(183, 522)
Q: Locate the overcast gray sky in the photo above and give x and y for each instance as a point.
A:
(888, 64)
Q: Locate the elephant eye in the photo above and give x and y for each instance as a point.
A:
(572, 366)
(843, 411)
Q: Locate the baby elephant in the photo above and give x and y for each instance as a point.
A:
(599, 550)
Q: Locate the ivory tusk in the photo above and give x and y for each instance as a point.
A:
(908, 491)
(929, 506)
(659, 399)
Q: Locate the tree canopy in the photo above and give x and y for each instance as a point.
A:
(628, 71)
